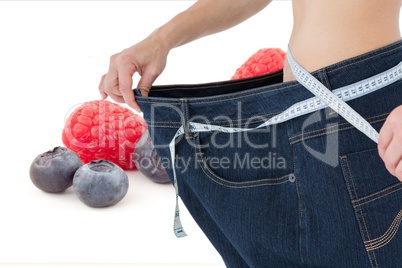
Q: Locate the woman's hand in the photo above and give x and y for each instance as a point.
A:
(147, 58)
(390, 142)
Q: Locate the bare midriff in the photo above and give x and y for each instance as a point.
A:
(328, 31)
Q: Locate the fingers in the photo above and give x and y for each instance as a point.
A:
(146, 81)
(148, 58)
(390, 143)
(117, 82)
(110, 87)
(384, 139)
(109, 84)
(393, 155)
(100, 87)
(125, 83)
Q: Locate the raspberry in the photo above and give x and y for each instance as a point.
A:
(103, 130)
(265, 60)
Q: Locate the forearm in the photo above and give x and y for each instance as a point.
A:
(207, 17)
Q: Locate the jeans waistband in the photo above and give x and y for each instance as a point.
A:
(249, 102)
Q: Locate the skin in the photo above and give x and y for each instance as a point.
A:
(314, 45)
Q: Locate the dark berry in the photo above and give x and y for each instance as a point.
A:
(100, 183)
(53, 171)
(147, 160)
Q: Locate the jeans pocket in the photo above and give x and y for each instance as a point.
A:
(245, 159)
(376, 197)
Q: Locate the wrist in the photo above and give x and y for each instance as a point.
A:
(163, 38)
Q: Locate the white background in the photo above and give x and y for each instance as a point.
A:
(52, 55)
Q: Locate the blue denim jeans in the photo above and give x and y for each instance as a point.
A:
(309, 192)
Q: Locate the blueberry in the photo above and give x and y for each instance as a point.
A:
(100, 183)
(53, 171)
(147, 160)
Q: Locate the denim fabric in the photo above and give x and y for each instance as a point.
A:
(309, 192)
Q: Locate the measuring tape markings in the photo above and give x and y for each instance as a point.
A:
(343, 109)
(324, 98)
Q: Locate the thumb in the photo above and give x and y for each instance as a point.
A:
(145, 83)
(125, 85)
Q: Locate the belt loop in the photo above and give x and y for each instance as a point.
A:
(184, 108)
(323, 78)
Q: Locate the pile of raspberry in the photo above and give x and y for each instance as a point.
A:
(104, 130)
(265, 60)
